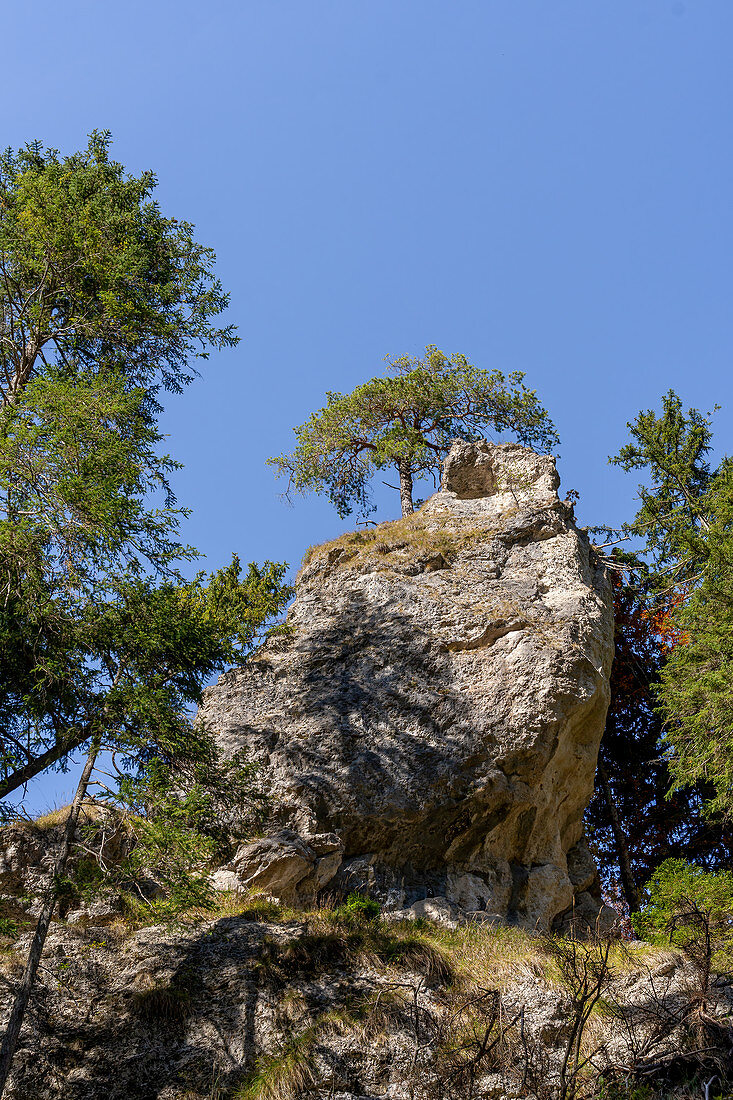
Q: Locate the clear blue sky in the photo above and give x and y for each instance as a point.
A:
(543, 185)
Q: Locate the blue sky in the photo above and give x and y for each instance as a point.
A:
(543, 185)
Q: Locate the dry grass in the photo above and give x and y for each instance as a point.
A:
(491, 956)
(461, 966)
(414, 538)
(54, 818)
(164, 1003)
(330, 941)
(233, 903)
(12, 966)
(292, 1070)
(288, 1072)
(138, 914)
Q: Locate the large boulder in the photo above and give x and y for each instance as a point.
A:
(438, 697)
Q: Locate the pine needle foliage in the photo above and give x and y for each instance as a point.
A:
(92, 274)
(407, 421)
(686, 522)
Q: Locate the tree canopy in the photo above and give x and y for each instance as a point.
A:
(673, 519)
(686, 522)
(93, 276)
(103, 301)
(407, 421)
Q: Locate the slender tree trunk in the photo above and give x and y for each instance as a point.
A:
(631, 890)
(21, 776)
(20, 1004)
(405, 472)
(22, 374)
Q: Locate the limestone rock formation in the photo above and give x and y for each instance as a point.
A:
(215, 1007)
(438, 697)
(287, 866)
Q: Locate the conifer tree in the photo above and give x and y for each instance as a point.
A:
(104, 302)
(686, 524)
(104, 643)
(634, 821)
(407, 422)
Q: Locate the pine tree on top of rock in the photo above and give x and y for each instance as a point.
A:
(407, 421)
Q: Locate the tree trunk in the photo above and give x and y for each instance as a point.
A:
(405, 472)
(20, 1004)
(22, 374)
(631, 890)
(22, 775)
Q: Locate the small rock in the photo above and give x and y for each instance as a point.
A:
(438, 909)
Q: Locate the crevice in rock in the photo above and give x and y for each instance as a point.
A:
(487, 638)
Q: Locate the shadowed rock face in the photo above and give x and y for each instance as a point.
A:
(440, 699)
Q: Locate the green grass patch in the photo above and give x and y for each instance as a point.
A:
(9, 928)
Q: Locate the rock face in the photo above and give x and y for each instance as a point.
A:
(439, 696)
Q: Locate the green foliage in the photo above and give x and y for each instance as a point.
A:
(125, 656)
(696, 690)
(76, 462)
(358, 907)
(407, 421)
(8, 928)
(676, 892)
(175, 807)
(675, 506)
(686, 520)
(93, 275)
(171, 843)
(87, 878)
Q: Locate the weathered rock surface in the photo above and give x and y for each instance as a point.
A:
(28, 856)
(174, 1013)
(439, 698)
(291, 868)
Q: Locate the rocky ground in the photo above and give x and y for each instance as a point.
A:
(256, 1001)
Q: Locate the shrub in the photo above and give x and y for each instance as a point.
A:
(674, 891)
(358, 907)
(692, 909)
(8, 929)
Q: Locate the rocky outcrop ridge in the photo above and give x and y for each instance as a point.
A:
(438, 699)
(221, 1008)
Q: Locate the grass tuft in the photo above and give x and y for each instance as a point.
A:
(164, 1003)
(390, 545)
(288, 1072)
(332, 939)
(54, 818)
